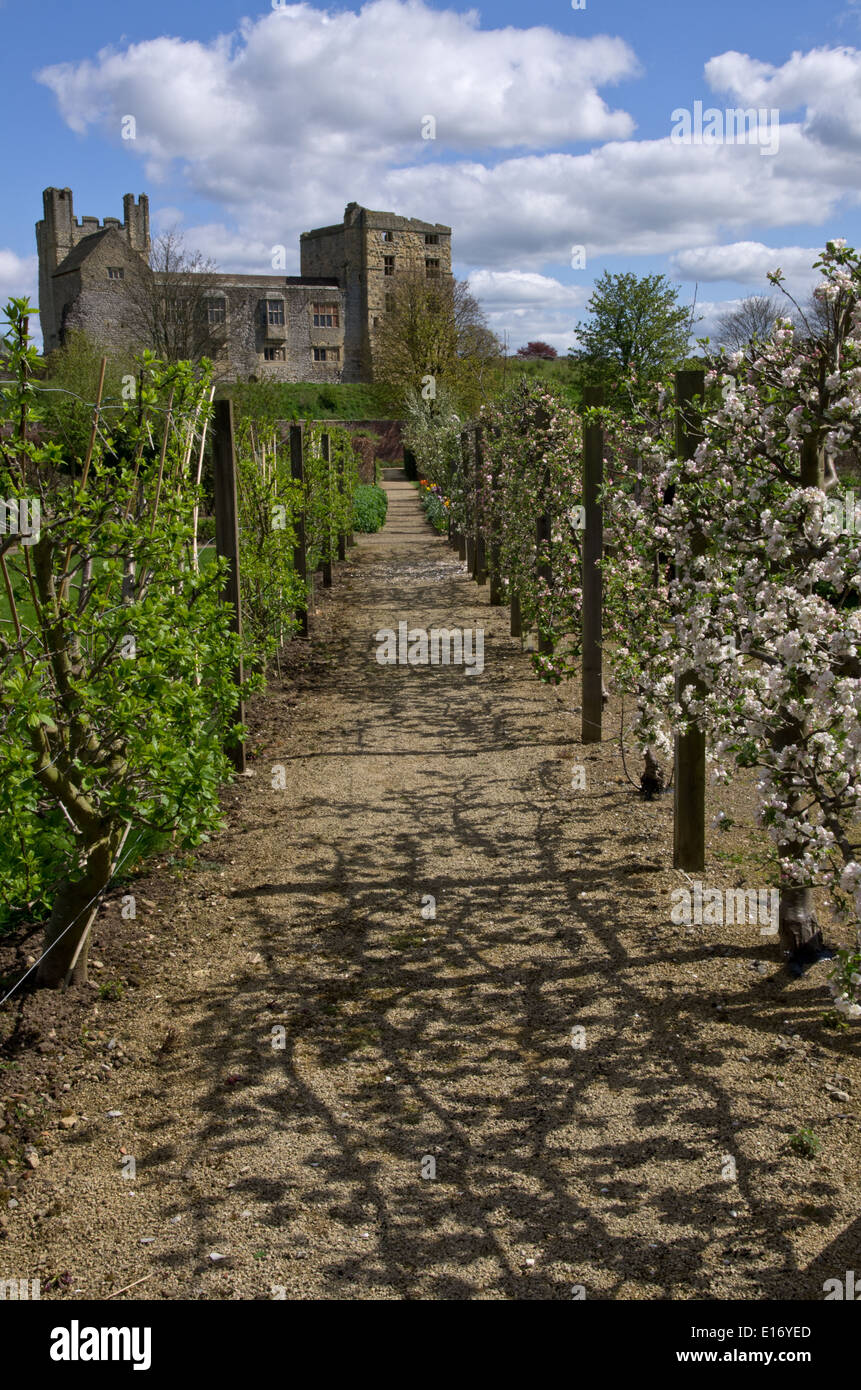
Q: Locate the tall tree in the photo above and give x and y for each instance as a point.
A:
(752, 320)
(434, 333)
(637, 326)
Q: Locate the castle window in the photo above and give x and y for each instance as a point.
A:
(274, 354)
(431, 268)
(390, 303)
(116, 272)
(327, 354)
(216, 310)
(275, 312)
(388, 265)
(431, 239)
(325, 315)
(388, 236)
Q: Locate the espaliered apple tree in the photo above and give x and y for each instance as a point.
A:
(758, 572)
(116, 659)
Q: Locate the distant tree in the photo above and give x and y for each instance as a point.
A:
(169, 302)
(72, 379)
(637, 327)
(538, 349)
(434, 333)
(752, 320)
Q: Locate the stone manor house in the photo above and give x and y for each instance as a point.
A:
(318, 326)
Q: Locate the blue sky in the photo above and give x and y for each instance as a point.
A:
(253, 123)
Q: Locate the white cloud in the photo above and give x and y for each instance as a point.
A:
(746, 262)
(529, 306)
(347, 85)
(303, 110)
(825, 82)
(18, 276)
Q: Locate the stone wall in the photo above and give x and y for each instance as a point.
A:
(89, 301)
(355, 254)
(335, 252)
(59, 232)
(247, 333)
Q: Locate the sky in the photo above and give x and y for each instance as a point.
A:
(563, 141)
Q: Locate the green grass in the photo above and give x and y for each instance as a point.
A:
(313, 401)
(24, 603)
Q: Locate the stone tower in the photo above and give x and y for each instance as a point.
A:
(59, 233)
(365, 253)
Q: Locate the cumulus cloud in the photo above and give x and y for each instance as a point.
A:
(634, 198)
(824, 82)
(527, 306)
(341, 84)
(745, 262)
(302, 110)
(18, 276)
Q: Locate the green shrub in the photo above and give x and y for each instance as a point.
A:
(371, 504)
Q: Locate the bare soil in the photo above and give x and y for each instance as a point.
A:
(292, 1049)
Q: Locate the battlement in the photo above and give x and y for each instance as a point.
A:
(60, 231)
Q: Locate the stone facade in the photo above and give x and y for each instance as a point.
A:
(66, 243)
(318, 326)
(278, 327)
(365, 254)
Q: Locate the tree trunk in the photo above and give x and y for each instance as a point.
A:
(75, 906)
(652, 780)
(800, 933)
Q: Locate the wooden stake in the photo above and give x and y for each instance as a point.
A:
(480, 539)
(326, 454)
(227, 543)
(300, 555)
(592, 553)
(542, 545)
(689, 791)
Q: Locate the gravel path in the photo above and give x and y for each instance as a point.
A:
(648, 1160)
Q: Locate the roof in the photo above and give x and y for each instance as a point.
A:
(86, 246)
(224, 278)
(369, 217)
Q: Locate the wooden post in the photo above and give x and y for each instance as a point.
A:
(497, 585)
(342, 534)
(458, 537)
(592, 554)
(326, 455)
(516, 630)
(300, 556)
(227, 544)
(480, 510)
(689, 799)
(545, 571)
(468, 543)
